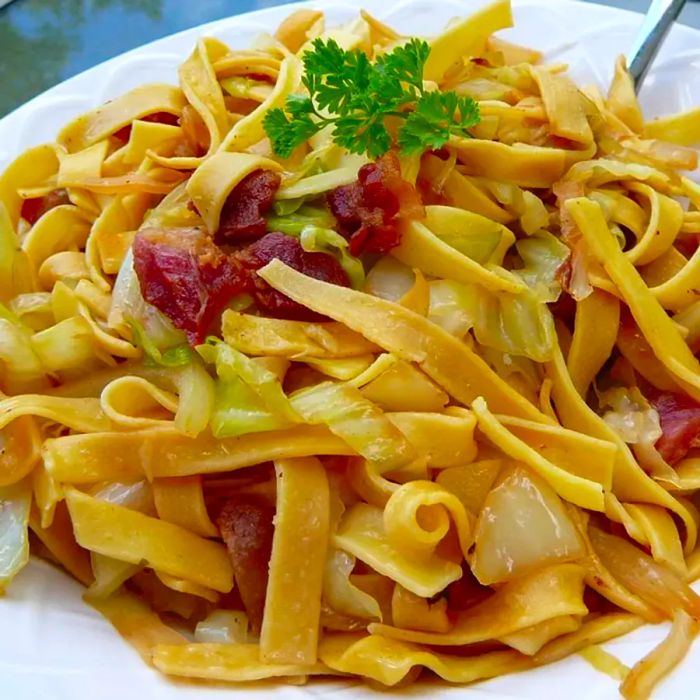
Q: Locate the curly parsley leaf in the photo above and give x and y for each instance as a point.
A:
(356, 96)
(437, 116)
(404, 65)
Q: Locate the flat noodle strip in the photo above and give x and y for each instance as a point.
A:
(181, 502)
(21, 443)
(595, 332)
(127, 535)
(105, 120)
(573, 488)
(420, 248)
(444, 439)
(202, 91)
(36, 165)
(461, 372)
(409, 610)
(630, 483)
(683, 128)
(297, 340)
(466, 38)
(662, 534)
(138, 624)
(461, 192)
(362, 533)
(249, 130)
(518, 604)
(188, 588)
(76, 167)
(580, 454)
(595, 631)
(658, 328)
(622, 100)
(61, 228)
(520, 164)
(47, 494)
(564, 106)
(216, 178)
(226, 662)
(290, 630)
(82, 415)
(680, 291)
(133, 403)
(416, 536)
(634, 347)
(58, 538)
(665, 221)
(163, 452)
(530, 640)
(389, 661)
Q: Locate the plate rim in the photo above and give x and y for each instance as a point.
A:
(261, 16)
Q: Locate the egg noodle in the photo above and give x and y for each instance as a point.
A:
(477, 454)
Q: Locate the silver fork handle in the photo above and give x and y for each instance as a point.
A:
(657, 22)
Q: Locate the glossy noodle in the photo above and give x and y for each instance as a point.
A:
(297, 387)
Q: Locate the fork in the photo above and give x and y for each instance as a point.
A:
(656, 24)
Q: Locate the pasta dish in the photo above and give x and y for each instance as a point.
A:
(361, 355)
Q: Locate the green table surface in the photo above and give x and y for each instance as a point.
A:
(43, 42)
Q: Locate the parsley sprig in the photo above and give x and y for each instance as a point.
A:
(356, 96)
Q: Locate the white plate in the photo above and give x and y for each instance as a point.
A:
(54, 647)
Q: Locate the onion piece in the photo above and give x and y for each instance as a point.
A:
(522, 526)
(223, 627)
(389, 279)
(15, 503)
(647, 672)
(341, 594)
(111, 573)
(651, 581)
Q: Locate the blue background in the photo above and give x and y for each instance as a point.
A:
(43, 42)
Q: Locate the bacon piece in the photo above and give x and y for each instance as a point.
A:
(288, 249)
(680, 425)
(247, 529)
(185, 276)
(34, 209)
(124, 133)
(368, 210)
(243, 214)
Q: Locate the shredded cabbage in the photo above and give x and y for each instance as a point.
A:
(632, 417)
(232, 365)
(223, 627)
(471, 234)
(23, 370)
(248, 396)
(517, 324)
(238, 410)
(355, 419)
(295, 221)
(15, 504)
(543, 256)
(129, 306)
(315, 239)
(389, 279)
(172, 357)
